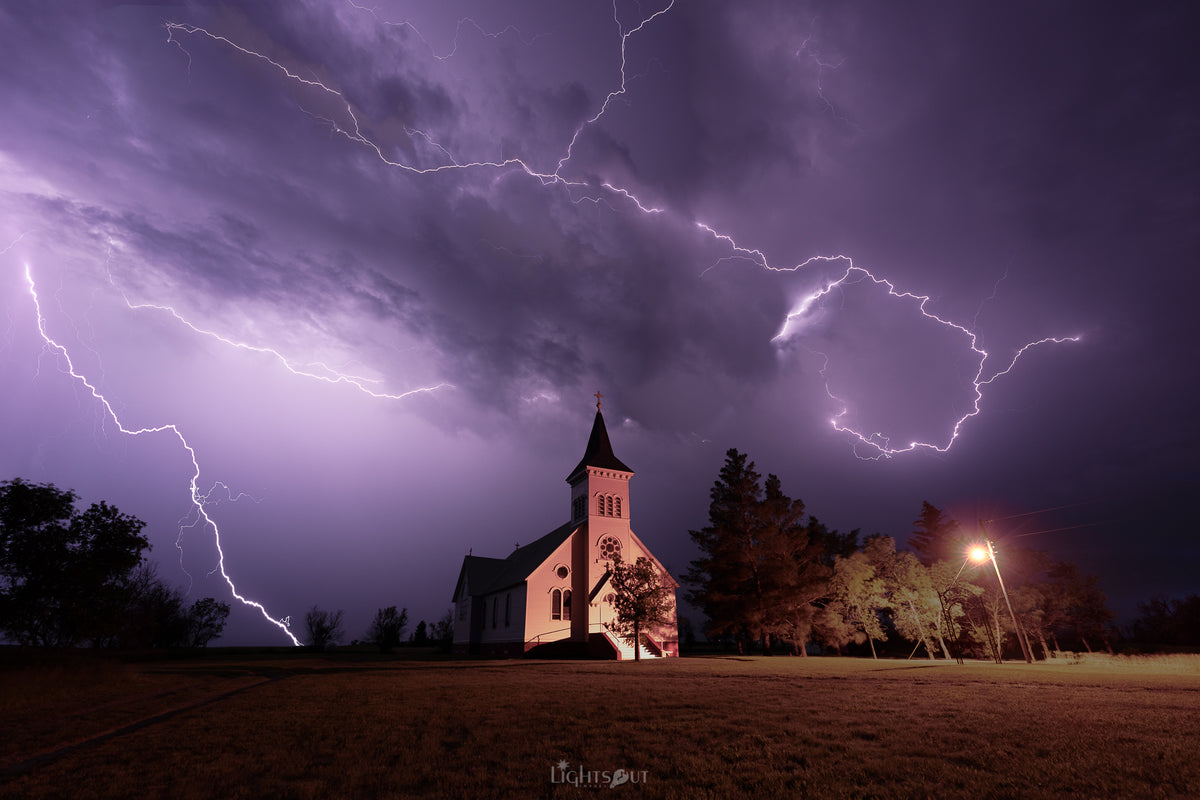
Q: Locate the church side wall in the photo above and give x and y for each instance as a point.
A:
(502, 618)
(462, 622)
(542, 624)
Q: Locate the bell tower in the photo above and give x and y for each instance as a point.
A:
(600, 510)
(600, 482)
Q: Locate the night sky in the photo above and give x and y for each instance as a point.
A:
(371, 264)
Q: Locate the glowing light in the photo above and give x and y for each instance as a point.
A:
(979, 553)
(198, 498)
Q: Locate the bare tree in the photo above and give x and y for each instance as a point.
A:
(324, 627)
(387, 629)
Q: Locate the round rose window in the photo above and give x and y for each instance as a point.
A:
(610, 548)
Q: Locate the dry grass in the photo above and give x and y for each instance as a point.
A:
(706, 727)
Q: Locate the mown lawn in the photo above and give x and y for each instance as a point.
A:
(350, 726)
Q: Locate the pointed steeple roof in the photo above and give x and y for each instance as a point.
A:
(599, 451)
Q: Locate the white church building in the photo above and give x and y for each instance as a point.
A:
(551, 597)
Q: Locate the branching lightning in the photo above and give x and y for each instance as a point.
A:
(326, 374)
(198, 498)
(876, 441)
(349, 126)
(878, 444)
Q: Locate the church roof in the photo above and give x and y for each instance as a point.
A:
(487, 575)
(599, 451)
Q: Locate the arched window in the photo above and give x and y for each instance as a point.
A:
(618, 506)
(556, 604)
(566, 604)
(610, 547)
(508, 609)
(610, 505)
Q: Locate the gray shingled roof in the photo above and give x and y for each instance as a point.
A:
(487, 575)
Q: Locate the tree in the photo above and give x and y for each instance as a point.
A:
(936, 537)
(794, 573)
(1083, 607)
(324, 627)
(420, 636)
(65, 575)
(206, 620)
(916, 609)
(387, 629)
(1174, 621)
(443, 632)
(728, 586)
(858, 594)
(641, 600)
(760, 569)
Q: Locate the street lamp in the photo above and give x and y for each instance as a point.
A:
(984, 552)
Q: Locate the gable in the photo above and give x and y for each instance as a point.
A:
(476, 572)
(502, 573)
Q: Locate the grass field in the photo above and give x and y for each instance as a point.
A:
(258, 725)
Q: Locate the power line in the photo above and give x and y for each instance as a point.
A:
(1041, 511)
(1055, 530)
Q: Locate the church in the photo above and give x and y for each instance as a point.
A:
(551, 598)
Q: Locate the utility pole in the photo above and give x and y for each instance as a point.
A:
(1016, 625)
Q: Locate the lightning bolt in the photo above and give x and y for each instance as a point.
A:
(198, 498)
(877, 443)
(326, 375)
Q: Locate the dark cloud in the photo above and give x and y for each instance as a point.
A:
(1031, 170)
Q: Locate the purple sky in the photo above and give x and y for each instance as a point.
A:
(458, 195)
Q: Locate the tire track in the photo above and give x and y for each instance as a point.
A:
(47, 756)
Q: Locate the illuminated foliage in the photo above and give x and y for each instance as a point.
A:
(642, 599)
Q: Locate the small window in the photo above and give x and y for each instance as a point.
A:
(493, 612)
(566, 607)
(562, 572)
(600, 505)
(508, 609)
(610, 505)
(556, 604)
(618, 506)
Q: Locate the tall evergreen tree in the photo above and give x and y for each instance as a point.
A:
(726, 576)
(760, 568)
(936, 537)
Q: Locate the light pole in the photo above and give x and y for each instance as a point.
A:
(985, 551)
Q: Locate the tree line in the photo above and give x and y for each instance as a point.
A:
(324, 629)
(770, 575)
(70, 578)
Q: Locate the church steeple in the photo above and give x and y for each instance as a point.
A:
(599, 452)
(599, 466)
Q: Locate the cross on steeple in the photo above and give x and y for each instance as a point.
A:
(598, 396)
